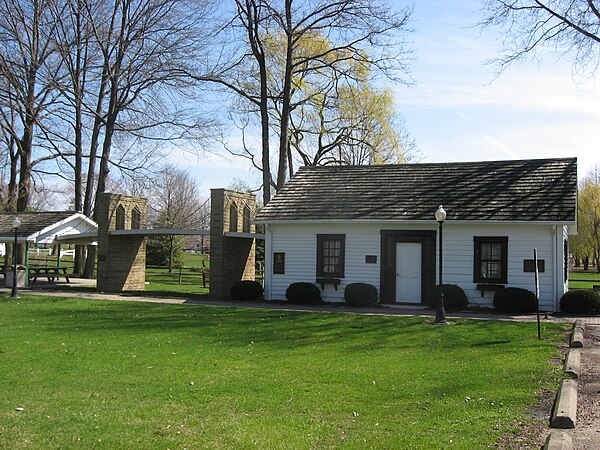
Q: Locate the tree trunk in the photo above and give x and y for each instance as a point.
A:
(170, 254)
(79, 262)
(90, 262)
(286, 100)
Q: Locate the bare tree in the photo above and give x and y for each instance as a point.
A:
(123, 94)
(10, 159)
(365, 33)
(569, 27)
(29, 70)
(240, 59)
(175, 203)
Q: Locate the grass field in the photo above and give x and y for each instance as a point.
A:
(100, 374)
(583, 280)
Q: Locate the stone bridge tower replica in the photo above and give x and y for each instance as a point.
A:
(232, 240)
(121, 257)
(122, 247)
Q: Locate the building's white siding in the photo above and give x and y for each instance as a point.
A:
(299, 242)
(522, 239)
(562, 281)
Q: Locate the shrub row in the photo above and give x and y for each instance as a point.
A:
(508, 300)
(246, 291)
(355, 294)
(515, 300)
(580, 301)
(303, 293)
(454, 297)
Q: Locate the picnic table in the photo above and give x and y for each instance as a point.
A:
(51, 273)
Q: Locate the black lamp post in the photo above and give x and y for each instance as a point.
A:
(16, 223)
(440, 316)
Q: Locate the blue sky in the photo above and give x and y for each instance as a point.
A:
(457, 111)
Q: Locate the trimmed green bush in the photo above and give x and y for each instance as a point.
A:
(247, 291)
(515, 300)
(303, 293)
(360, 294)
(580, 301)
(454, 297)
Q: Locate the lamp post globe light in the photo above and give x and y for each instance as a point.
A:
(16, 223)
(440, 315)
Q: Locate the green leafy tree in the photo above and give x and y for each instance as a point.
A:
(367, 33)
(355, 125)
(587, 243)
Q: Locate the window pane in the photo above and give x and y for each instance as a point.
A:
(331, 256)
(485, 251)
(491, 251)
(491, 269)
(495, 251)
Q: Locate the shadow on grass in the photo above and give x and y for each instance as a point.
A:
(149, 293)
(279, 330)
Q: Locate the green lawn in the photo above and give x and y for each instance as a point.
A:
(100, 374)
(583, 280)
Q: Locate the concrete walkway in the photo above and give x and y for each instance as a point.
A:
(586, 434)
(65, 290)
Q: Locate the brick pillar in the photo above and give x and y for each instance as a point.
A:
(121, 259)
(231, 258)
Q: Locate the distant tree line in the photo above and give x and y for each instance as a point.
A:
(585, 247)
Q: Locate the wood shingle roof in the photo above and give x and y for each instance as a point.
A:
(45, 227)
(31, 222)
(543, 190)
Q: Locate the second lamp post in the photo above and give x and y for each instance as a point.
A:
(440, 316)
(16, 223)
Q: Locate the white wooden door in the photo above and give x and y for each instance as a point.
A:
(408, 272)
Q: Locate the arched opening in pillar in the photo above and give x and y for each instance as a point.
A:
(120, 218)
(247, 219)
(233, 217)
(136, 218)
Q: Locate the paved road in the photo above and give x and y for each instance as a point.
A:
(587, 432)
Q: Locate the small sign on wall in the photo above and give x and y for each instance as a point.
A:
(371, 259)
(529, 265)
(278, 263)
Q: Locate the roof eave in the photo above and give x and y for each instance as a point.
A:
(418, 222)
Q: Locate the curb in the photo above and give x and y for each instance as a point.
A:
(564, 414)
(577, 338)
(577, 334)
(564, 411)
(572, 363)
(558, 440)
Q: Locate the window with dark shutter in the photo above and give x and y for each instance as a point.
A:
(490, 260)
(330, 255)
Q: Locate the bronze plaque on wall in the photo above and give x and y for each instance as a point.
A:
(279, 262)
(529, 265)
